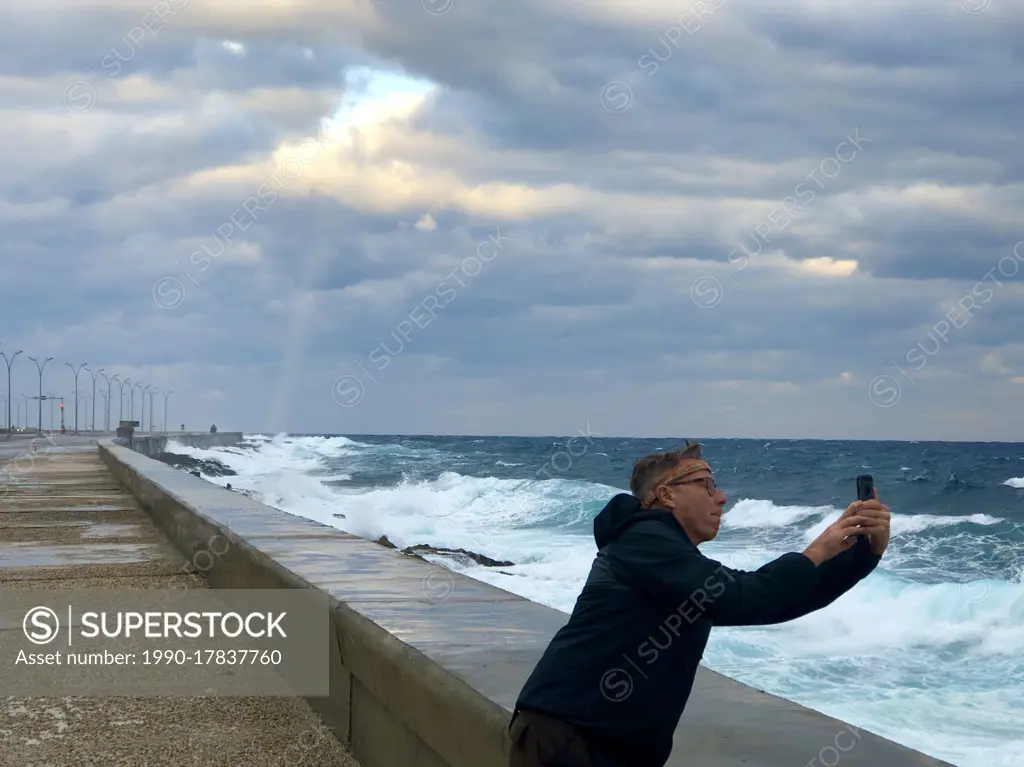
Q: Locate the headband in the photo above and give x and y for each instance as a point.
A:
(685, 469)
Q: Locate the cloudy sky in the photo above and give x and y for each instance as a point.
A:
(734, 218)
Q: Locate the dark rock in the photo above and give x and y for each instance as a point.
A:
(461, 556)
(241, 491)
(340, 516)
(208, 466)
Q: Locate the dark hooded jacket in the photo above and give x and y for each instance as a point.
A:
(622, 668)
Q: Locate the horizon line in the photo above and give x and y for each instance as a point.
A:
(272, 433)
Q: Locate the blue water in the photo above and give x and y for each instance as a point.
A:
(925, 651)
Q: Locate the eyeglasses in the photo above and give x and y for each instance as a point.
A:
(708, 482)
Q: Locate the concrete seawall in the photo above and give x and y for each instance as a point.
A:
(154, 444)
(426, 664)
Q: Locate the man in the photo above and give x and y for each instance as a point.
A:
(612, 685)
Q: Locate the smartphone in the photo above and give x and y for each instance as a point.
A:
(865, 487)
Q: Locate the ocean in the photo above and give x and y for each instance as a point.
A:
(926, 651)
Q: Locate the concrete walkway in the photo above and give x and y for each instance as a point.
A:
(65, 523)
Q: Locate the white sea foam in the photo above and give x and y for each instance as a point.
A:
(752, 513)
(934, 665)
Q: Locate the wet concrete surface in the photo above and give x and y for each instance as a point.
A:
(65, 524)
(17, 555)
(110, 530)
(48, 517)
(22, 529)
(94, 507)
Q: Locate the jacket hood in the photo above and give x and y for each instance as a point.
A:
(621, 512)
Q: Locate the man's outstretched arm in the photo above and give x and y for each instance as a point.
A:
(836, 576)
(655, 561)
(843, 572)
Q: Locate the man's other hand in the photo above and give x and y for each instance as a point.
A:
(837, 537)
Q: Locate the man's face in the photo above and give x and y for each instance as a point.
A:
(697, 511)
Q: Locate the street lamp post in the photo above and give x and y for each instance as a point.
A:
(137, 385)
(142, 420)
(167, 396)
(9, 363)
(51, 398)
(152, 394)
(39, 367)
(106, 419)
(124, 383)
(76, 372)
(8, 412)
(98, 372)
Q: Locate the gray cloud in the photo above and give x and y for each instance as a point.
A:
(653, 249)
